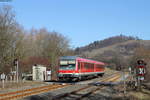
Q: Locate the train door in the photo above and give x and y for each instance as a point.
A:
(94, 67)
(79, 67)
(82, 67)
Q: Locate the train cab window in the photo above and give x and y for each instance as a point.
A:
(67, 65)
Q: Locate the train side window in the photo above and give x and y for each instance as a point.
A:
(86, 65)
(79, 65)
(92, 66)
(98, 66)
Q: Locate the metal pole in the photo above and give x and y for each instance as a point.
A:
(124, 81)
(3, 83)
(17, 71)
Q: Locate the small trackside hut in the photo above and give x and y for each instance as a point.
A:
(76, 68)
(40, 73)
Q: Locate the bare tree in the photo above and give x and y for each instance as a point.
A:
(7, 28)
(15, 42)
(43, 44)
(52, 45)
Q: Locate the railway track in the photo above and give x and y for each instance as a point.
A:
(85, 91)
(28, 92)
(32, 91)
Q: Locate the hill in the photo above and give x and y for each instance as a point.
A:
(104, 43)
(116, 50)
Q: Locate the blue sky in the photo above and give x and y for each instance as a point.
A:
(84, 21)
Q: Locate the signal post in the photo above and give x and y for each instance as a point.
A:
(140, 73)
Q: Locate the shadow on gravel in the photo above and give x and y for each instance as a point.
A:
(46, 96)
(109, 93)
(102, 97)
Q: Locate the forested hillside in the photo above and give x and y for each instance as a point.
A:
(117, 51)
(104, 43)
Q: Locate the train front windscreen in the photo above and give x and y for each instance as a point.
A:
(67, 64)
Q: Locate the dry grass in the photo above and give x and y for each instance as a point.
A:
(14, 85)
(143, 95)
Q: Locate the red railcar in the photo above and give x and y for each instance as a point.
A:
(77, 68)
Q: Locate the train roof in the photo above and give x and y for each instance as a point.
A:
(68, 57)
(81, 59)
